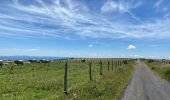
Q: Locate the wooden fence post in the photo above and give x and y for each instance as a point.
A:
(65, 78)
(117, 64)
(120, 63)
(101, 68)
(12, 67)
(112, 65)
(108, 65)
(90, 77)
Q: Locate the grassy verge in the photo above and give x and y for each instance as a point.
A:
(161, 69)
(45, 81)
(107, 87)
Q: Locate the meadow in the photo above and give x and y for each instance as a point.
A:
(160, 67)
(45, 81)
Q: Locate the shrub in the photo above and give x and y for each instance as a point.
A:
(150, 61)
(153, 68)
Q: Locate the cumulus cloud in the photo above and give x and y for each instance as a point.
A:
(131, 47)
(90, 45)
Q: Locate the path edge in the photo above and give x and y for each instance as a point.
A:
(125, 88)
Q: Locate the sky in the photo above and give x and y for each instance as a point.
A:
(85, 28)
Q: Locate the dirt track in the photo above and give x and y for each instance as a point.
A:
(146, 85)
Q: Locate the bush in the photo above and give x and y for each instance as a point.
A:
(150, 61)
(153, 68)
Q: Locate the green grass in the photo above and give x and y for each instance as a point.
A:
(45, 81)
(161, 69)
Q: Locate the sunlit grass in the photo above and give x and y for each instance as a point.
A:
(45, 81)
(160, 68)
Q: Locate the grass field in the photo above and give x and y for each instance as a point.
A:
(45, 81)
(160, 68)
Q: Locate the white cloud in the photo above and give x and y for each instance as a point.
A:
(33, 49)
(90, 45)
(73, 17)
(119, 6)
(131, 47)
(122, 7)
(136, 56)
(111, 6)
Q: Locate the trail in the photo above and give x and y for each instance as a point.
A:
(146, 85)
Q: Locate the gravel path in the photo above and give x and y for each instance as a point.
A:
(146, 85)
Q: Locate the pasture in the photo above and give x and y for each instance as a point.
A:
(37, 81)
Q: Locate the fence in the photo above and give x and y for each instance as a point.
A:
(117, 64)
(102, 65)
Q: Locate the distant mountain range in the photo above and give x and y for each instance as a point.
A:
(30, 57)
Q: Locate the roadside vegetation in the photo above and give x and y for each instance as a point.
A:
(161, 67)
(45, 81)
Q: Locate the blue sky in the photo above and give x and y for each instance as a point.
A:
(85, 28)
